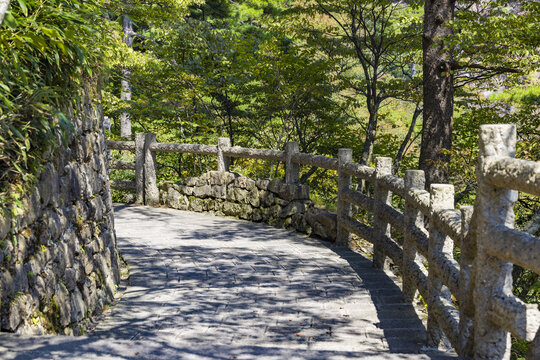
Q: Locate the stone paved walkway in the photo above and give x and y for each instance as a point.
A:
(204, 287)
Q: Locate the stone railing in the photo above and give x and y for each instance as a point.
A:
(469, 301)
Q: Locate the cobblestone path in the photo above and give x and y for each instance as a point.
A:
(205, 287)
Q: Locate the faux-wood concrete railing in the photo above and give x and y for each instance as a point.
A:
(468, 301)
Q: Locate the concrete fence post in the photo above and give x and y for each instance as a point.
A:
(492, 276)
(414, 180)
(292, 170)
(146, 190)
(151, 191)
(223, 162)
(343, 208)
(439, 246)
(139, 168)
(383, 167)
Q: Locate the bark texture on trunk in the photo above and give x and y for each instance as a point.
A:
(438, 90)
(125, 93)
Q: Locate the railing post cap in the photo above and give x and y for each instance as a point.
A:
(497, 127)
(291, 146)
(383, 161)
(383, 166)
(441, 188)
(344, 154)
(224, 141)
(497, 140)
(441, 196)
(414, 173)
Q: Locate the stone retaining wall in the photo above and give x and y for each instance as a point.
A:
(231, 194)
(58, 259)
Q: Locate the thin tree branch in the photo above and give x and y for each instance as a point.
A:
(454, 65)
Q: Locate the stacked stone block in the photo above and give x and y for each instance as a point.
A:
(58, 259)
(230, 194)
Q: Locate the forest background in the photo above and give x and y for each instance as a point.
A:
(411, 80)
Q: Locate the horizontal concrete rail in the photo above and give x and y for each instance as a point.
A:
(510, 173)
(522, 320)
(448, 319)
(358, 199)
(392, 217)
(419, 199)
(360, 171)
(515, 246)
(420, 277)
(184, 148)
(121, 165)
(121, 145)
(420, 237)
(394, 184)
(369, 234)
(123, 184)
(321, 161)
(449, 221)
(264, 154)
(448, 271)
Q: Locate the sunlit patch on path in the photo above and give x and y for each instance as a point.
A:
(205, 287)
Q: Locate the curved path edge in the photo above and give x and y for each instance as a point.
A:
(204, 287)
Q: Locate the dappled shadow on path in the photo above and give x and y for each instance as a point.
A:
(69, 347)
(214, 288)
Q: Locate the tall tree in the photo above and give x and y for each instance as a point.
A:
(438, 89)
(146, 17)
(375, 32)
(470, 42)
(125, 83)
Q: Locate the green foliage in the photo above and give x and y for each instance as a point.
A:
(47, 49)
(496, 37)
(529, 95)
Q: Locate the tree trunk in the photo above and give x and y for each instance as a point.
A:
(371, 134)
(438, 90)
(4, 6)
(230, 129)
(125, 93)
(405, 143)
